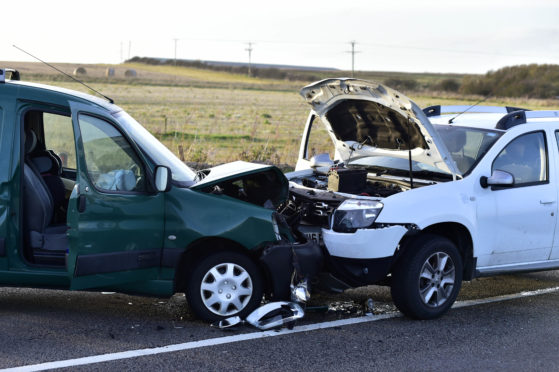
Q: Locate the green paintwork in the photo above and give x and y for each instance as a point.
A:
(193, 215)
(113, 222)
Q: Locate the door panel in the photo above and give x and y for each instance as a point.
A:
(553, 149)
(116, 224)
(523, 218)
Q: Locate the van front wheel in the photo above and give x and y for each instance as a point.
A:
(224, 284)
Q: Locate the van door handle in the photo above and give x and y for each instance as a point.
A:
(81, 203)
(547, 201)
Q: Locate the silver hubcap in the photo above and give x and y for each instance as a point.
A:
(226, 289)
(436, 280)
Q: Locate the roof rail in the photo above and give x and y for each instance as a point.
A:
(14, 74)
(521, 117)
(438, 110)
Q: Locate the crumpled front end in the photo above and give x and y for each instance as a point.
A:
(289, 263)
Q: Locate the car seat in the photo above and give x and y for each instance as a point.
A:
(46, 243)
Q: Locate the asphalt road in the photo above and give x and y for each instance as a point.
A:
(41, 326)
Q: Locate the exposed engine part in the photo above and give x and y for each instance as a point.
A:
(309, 206)
(347, 180)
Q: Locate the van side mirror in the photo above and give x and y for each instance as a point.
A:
(162, 178)
(498, 178)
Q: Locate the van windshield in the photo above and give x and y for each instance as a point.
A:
(156, 151)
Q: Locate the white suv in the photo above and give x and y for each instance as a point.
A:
(422, 200)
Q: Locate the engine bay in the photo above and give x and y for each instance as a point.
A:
(354, 181)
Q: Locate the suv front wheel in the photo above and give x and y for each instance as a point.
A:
(426, 281)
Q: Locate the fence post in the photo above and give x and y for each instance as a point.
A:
(181, 153)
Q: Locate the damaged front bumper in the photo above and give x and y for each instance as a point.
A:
(364, 243)
(284, 259)
(364, 256)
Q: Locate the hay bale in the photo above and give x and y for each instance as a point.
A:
(110, 71)
(130, 73)
(80, 71)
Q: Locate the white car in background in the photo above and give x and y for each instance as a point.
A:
(423, 200)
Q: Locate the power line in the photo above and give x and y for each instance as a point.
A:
(383, 45)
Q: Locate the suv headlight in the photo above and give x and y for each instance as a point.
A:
(355, 214)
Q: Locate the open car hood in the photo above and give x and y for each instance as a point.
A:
(369, 120)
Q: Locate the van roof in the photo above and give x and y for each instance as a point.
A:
(112, 108)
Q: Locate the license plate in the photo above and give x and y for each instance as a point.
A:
(314, 236)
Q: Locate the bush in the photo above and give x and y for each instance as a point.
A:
(401, 84)
(448, 85)
(534, 81)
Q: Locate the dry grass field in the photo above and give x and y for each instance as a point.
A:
(215, 117)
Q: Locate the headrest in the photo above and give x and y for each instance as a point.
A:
(47, 162)
(44, 164)
(30, 141)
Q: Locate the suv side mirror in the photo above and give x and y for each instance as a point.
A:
(162, 178)
(498, 178)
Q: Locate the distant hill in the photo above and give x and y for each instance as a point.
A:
(266, 71)
(168, 61)
(292, 73)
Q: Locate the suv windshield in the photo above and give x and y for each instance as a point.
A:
(156, 151)
(467, 145)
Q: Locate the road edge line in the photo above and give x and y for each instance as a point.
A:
(253, 335)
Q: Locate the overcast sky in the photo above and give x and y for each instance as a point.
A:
(471, 36)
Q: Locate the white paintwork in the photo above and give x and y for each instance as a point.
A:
(507, 226)
(364, 243)
(326, 94)
(483, 121)
(511, 229)
(524, 266)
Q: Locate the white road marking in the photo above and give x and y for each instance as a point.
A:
(252, 336)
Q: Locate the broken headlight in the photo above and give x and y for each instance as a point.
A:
(355, 214)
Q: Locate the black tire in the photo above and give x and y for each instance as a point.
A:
(223, 275)
(431, 295)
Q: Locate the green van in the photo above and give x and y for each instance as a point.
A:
(90, 200)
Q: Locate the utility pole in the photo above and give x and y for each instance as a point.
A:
(353, 52)
(249, 50)
(176, 51)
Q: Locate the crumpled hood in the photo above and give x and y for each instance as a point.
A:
(369, 119)
(267, 177)
(231, 170)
